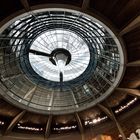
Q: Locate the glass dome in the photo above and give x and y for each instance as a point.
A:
(58, 61)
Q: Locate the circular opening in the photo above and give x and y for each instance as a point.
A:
(45, 44)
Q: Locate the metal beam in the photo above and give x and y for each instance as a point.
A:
(51, 101)
(48, 127)
(80, 126)
(29, 93)
(16, 119)
(85, 4)
(111, 115)
(11, 77)
(74, 99)
(25, 4)
(132, 25)
(134, 64)
(9, 38)
(133, 92)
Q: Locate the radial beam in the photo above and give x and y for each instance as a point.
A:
(48, 127)
(25, 4)
(29, 92)
(133, 92)
(85, 4)
(11, 77)
(74, 99)
(134, 64)
(80, 126)
(16, 119)
(132, 25)
(51, 101)
(111, 115)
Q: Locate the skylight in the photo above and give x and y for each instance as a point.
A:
(51, 40)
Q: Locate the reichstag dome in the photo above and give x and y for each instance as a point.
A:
(70, 70)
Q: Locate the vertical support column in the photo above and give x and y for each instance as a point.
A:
(80, 126)
(48, 127)
(132, 92)
(25, 4)
(85, 4)
(15, 121)
(132, 25)
(111, 115)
